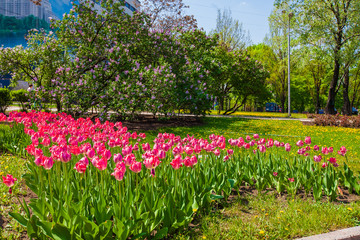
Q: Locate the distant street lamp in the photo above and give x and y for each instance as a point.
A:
(289, 99)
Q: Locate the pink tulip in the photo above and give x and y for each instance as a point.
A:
(226, 158)
(299, 143)
(316, 148)
(80, 167)
(146, 147)
(136, 166)
(217, 152)
(39, 160)
(331, 149)
(275, 174)
(230, 151)
(161, 154)
(247, 145)
(291, 179)
(332, 160)
(48, 163)
(117, 157)
(262, 148)
(188, 150)
(129, 159)
(65, 157)
(324, 165)
(151, 162)
(277, 143)
(308, 140)
(90, 153)
(325, 150)
(256, 136)
(248, 138)
(187, 162)
(119, 171)
(287, 147)
(317, 158)
(176, 163)
(9, 180)
(106, 154)
(101, 164)
(193, 160)
(84, 160)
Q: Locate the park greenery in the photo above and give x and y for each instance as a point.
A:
(12, 24)
(95, 179)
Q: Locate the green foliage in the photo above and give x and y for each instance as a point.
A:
(5, 99)
(23, 24)
(21, 96)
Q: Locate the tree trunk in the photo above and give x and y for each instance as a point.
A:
(330, 105)
(346, 107)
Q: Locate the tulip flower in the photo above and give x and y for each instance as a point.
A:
(9, 180)
(135, 166)
(308, 140)
(80, 167)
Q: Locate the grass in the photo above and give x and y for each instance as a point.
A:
(10, 229)
(263, 114)
(286, 131)
(267, 217)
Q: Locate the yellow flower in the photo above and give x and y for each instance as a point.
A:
(194, 210)
(262, 232)
(204, 237)
(262, 209)
(281, 211)
(350, 209)
(256, 216)
(266, 214)
(6, 167)
(1, 173)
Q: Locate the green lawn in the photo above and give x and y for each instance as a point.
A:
(286, 131)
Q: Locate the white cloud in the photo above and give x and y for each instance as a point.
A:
(243, 3)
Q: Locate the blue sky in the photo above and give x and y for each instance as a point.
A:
(252, 13)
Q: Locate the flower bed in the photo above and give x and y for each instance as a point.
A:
(336, 120)
(99, 181)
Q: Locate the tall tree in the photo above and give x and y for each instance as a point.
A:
(231, 32)
(167, 14)
(277, 40)
(336, 22)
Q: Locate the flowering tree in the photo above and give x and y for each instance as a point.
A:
(167, 14)
(113, 62)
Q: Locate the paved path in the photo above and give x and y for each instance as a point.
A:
(16, 108)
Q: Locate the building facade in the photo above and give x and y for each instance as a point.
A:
(24, 8)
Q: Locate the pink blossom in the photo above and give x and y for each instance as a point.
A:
(300, 143)
(230, 151)
(291, 179)
(48, 163)
(9, 180)
(136, 166)
(226, 157)
(217, 152)
(317, 158)
(256, 136)
(332, 160)
(119, 171)
(80, 167)
(287, 147)
(176, 162)
(308, 140)
(275, 174)
(316, 148)
(262, 148)
(117, 157)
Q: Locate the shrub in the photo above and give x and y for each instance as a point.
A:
(5, 99)
(337, 120)
(21, 97)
